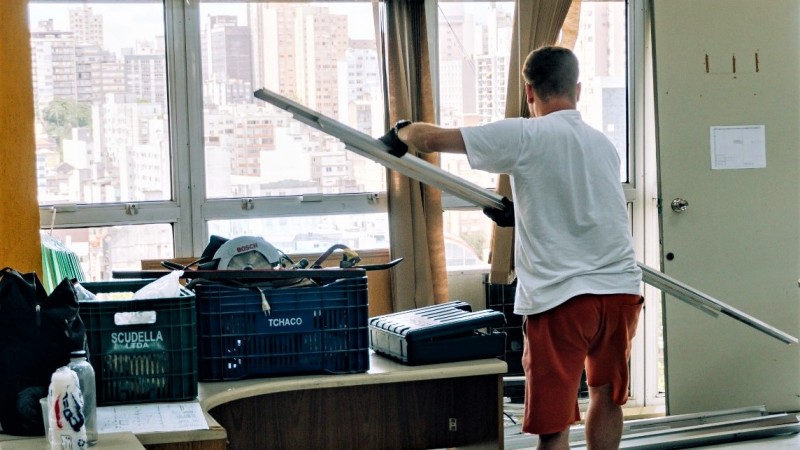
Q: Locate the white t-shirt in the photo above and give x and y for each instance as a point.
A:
(572, 230)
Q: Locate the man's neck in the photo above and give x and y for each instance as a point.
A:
(556, 104)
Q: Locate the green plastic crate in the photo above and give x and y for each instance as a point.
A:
(141, 350)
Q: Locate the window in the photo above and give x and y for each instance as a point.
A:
(131, 135)
(474, 40)
(102, 129)
(100, 102)
(474, 44)
(323, 56)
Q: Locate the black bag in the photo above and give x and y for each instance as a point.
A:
(37, 334)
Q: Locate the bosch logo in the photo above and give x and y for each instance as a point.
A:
(247, 247)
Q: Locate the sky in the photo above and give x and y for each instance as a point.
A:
(123, 24)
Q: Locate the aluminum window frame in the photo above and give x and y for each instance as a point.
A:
(189, 210)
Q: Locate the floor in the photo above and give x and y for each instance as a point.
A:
(775, 443)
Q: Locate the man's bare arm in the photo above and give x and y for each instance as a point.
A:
(429, 138)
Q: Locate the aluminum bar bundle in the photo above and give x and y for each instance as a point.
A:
(427, 173)
(681, 431)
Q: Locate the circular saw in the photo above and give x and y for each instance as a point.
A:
(247, 253)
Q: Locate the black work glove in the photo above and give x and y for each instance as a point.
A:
(502, 217)
(397, 147)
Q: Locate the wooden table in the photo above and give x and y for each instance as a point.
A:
(108, 441)
(213, 438)
(392, 406)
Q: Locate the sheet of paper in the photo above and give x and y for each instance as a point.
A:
(738, 147)
(151, 417)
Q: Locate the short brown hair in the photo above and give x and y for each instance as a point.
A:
(551, 71)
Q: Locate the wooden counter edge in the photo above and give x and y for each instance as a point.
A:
(382, 370)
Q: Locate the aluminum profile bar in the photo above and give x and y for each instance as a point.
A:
(684, 431)
(427, 173)
(704, 301)
(640, 428)
(709, 434)
(371, 148)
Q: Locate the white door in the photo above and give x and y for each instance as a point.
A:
(728, 113)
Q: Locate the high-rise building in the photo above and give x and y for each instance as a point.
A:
(97, 73)
(146, 77)
(229, 49)
(87, 27)
(53, 65)
(360, 88)
(472, 62)
(492, 80)
(243, 132)
(263, 23)
(305, 49)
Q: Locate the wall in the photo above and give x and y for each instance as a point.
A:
(20, 247)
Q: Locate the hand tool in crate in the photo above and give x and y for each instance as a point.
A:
(438, 333)
(251, 259)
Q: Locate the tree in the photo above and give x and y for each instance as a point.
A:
(64, 114)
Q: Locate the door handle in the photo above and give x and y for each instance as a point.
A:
(679, 205)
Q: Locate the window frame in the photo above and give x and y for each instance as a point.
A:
(189, 210)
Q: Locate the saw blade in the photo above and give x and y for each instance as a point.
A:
(248, 261)
(248, 253)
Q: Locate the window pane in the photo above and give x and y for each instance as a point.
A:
(102, 250)
(322, 55)
(310, 234)
(100, 99)
(602, 51)
(474, 47)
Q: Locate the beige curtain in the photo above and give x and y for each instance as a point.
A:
(536, 24)
(415, 210)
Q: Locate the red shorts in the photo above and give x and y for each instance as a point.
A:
(588, 331)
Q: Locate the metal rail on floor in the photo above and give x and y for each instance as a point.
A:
(419, 169)
(682, 431)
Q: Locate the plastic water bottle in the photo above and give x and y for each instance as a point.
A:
(66, 419)
(80, 364)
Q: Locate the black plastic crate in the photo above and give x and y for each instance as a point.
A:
(141, 350)
(315, 329)
(500, 297)
(514, 346)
